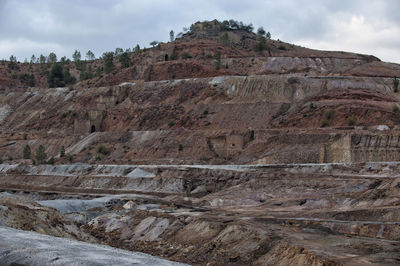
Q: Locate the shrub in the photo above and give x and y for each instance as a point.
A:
(171, 123)
(27, 79)
(261, 44)
(395, 108)
(324, 122)
(186, 55)
(225, 38)
(312, 106)
(27, 152)
(1, 160)
(281, 47)
(328, 114)
(180, 147)
(351, 121)
(56, 76)
(218, 60)
(395, 84)
(51, 160)
(103, 150)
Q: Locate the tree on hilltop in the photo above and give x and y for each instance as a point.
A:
(153, 43)
(90, 55)
(124, 60)
(76, 56)
(118, 51)
(52, 58)
(108, 58)
(261, 31)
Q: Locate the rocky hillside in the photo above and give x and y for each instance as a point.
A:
(212, 96)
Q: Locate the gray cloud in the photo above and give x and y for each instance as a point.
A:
(40, 27)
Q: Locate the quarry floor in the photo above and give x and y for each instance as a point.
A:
(308, 214)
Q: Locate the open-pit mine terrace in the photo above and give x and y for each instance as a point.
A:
(321, 214)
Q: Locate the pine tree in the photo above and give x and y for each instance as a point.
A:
(62, 151)
(41, 155)
(27, 152)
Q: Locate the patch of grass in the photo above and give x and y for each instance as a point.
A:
(351, 121)
(328, 114)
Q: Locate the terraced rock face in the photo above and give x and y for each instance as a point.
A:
(284, 157)
(335, 214)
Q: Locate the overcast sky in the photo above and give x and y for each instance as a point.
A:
(42, 26)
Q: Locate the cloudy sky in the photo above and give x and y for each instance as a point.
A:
(42, 26)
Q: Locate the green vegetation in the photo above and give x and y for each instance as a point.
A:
(261, 31)
(180, 147)
(118, 52)
(351, 121)
(171, 123)
(40, 155)
(395, 108)
(51, 160)
(225, 38)
(186, 55)
(124, 59)
(171, 35)
(103, 150)
(62, 151)
(56, 77)
(137, 50)
(52, 58)
(26, 154)
(281, 47)
(27, 79)
(59, 78)
(33, 59)
(235, 25)
(217, 61)
(395, 84)
(328, 114)
(312, 106)
(90, 55)
(76, 56)
(42, 59)
(12, 64)
(324, 122)
(153, 43)
(262, 43)
(108, 58)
